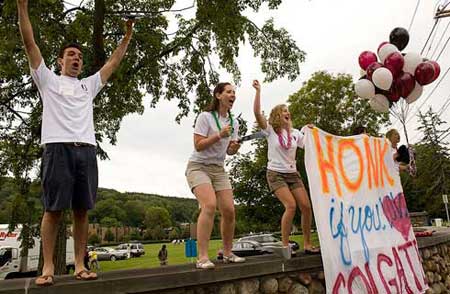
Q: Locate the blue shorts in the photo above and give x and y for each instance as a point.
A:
(69, 176)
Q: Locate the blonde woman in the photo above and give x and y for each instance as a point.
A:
(215, 135)
(282, 175)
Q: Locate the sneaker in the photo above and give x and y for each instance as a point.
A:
(204, 264)
(232, 258)
(286, 252)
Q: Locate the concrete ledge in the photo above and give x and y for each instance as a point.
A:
(156, 280)
(163, 278)
(441, 235)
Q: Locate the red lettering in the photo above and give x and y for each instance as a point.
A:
(355, 273)
(382, 258)
(339, 281)
(404, 248)
(371, 280)
(400, 271)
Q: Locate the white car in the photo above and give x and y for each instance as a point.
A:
(107, 253)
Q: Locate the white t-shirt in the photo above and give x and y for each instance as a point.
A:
(67, 106)
(280, 159)
(206, 126)
(396, 163)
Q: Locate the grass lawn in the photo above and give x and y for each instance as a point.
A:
(176, 255)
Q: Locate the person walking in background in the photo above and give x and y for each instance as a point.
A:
(93, 260)
(163, 255)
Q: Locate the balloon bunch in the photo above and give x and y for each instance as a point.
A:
(394, 75)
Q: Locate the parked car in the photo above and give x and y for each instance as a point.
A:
(136, 249)
(249, 248)
(106, 253)
(268, 240)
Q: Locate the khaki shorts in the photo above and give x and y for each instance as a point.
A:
(199, 173)
(278, 180)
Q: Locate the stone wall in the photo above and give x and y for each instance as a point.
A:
(291, 283)
(436, 264)
(259, 275)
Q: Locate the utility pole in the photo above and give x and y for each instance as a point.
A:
(442, 12)
(445, 200)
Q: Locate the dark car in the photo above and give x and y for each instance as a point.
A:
(268, 240)
(249, 248)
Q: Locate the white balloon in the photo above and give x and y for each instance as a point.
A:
(415, 94)
(365, 89)
(379, 103)
(386, 50)
(382, 78)
(412, 60)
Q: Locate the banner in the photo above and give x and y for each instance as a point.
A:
(366, 238)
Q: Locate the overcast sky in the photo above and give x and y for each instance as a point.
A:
(152, 149)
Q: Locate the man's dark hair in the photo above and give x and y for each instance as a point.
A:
(71, 45)
(358, 130)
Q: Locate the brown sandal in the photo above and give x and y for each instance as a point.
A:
(48, 280)
(85, 275)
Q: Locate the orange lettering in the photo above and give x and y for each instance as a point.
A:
(372, 164)
(383, 169)
(326, 165)
(350, 144)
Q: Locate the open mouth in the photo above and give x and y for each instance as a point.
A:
(75, 65)
(231, 101)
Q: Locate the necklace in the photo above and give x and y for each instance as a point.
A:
(289, 140)
(214, 114)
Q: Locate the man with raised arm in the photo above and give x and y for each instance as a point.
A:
(69, 162)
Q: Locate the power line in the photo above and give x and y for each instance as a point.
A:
(432, 39)
(443, 48)
(440, 40)
(414, 15)
(444, 106)
(429, 35)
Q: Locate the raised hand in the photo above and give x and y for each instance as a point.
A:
(129, 26)
(256, 85)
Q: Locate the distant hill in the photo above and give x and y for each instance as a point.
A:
(110, 202)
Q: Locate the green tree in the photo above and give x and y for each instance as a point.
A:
(160, 63)
(175, 233)
(424, 192)
(135, 213)
(94, 239)
(109, 222)
(109, 235)
(157, 217)
(329, 102)
(108, 208)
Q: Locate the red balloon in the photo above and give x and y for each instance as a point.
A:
(366, 58)
(437, 69)
(424, 73)
(404, 84)
(394, 62)
(394, 93)
(371, 68)
(381, 45)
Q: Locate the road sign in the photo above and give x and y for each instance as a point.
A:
(445, 198)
